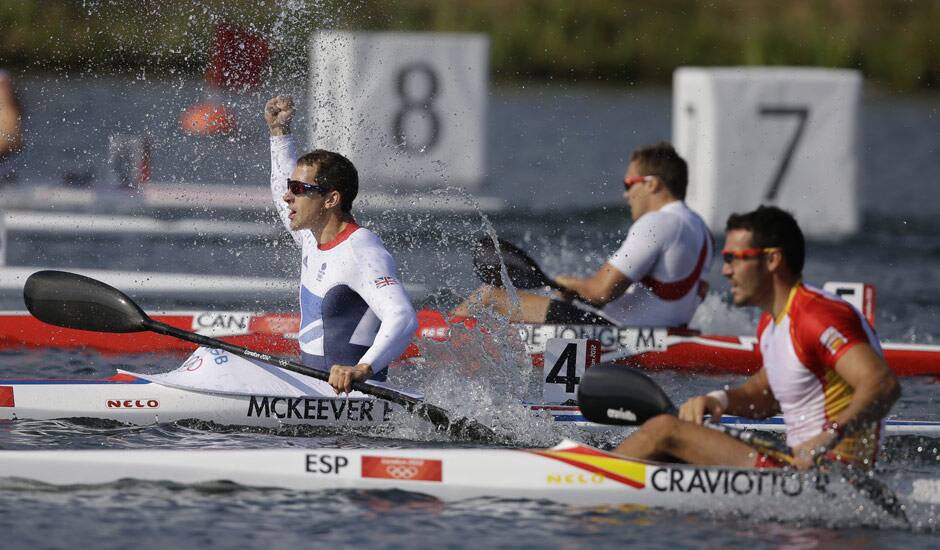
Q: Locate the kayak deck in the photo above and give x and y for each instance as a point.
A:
(133, 400)
(128, 399)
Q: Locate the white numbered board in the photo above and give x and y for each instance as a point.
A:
(860, 295)
(781, 136)
(407, 108)
(565, 361)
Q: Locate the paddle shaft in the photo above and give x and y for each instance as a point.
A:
(434, 414)
(286, 364)
(766, 445)
(554, 285)
(74, 301)
(523, 272)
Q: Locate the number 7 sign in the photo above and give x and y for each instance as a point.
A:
(784, 136)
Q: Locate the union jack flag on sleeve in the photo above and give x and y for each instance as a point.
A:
(384, 281)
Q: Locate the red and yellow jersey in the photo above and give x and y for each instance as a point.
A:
(800, 350)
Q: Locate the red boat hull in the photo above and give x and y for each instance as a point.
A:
(276, 333)
(271, 333)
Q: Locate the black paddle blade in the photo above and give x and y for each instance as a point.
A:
(522, 270)
(74, 301)
(616, 394)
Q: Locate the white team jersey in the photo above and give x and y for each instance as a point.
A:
(665, 254)
(353, 307)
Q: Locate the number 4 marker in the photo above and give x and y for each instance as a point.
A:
(565, 361)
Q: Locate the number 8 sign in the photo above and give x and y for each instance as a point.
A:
(407, 108)
(417, 106)
(782, 136)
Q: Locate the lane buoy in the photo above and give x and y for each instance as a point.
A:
(207, 118)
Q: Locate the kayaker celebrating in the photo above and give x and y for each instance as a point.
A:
(355, 315)
(823, 367)
(653, 279)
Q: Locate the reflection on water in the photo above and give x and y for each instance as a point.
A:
(244, 517)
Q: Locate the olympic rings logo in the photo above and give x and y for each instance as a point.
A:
(401, 471)
(406, 469)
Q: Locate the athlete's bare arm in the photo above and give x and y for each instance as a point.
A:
(875, 387)
(875, 390)
(604, 286)
(753, 399)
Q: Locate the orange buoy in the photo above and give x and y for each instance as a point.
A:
(207, 119)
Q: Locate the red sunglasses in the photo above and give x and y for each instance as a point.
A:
(633, 180)
(297, 187)
(748, 253)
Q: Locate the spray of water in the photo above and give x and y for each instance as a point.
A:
(484, 371)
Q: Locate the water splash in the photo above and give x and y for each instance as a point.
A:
(717, 315)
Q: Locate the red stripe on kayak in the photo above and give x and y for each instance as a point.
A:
(590, 451)
(122, 377)
(6, 396)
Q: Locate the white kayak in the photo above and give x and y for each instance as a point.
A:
(212, 385)
(132, 400)
(570, 473)
(215, 386)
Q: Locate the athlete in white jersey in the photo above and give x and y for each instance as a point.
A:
(653, 279)
(355, 315)
(822, 365)
(665, 255)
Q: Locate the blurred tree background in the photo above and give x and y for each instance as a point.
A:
(893, 42)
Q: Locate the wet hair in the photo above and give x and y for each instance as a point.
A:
(662, 160)
(334, 173)
(772, 226)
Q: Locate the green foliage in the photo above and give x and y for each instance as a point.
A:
(891, 41)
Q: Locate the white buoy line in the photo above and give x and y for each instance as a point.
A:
(156, 283)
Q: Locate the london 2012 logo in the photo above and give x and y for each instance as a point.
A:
(406, 469)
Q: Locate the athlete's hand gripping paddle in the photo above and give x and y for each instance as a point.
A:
(74, 301)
